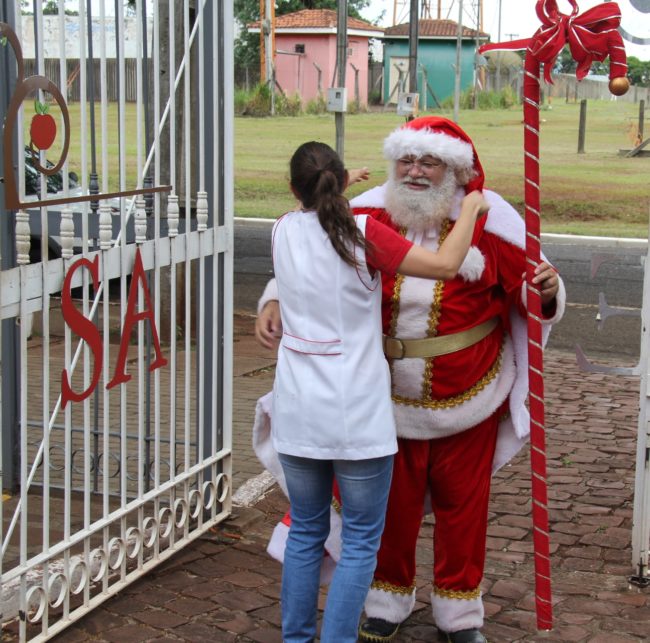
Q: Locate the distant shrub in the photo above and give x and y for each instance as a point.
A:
(488, 100)
(288, 105)
(259, 101)
(509, 97)
(374, 97)
(502, 99)
(241, 99)
(316, 105)
(353, 107)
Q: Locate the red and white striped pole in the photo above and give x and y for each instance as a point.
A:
(541, 540)
(592, 36)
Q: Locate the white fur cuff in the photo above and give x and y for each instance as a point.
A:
(560, 302)
(473, 265)
(393, 607)
(454, 614)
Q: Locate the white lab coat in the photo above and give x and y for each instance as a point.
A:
(331, 396)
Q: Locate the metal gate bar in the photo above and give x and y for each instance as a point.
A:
(641, 515)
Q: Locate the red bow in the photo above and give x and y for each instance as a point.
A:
(591, 35)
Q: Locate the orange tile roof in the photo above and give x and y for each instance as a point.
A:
(433, 29)
(318, 19)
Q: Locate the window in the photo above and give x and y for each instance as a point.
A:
(299, 48)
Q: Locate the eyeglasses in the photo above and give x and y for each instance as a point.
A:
(405, 164)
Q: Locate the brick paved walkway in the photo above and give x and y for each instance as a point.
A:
(225, 588)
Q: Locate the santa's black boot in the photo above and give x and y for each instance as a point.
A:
(377, 630)
(462, 636)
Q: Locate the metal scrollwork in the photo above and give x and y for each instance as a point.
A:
(24, 87)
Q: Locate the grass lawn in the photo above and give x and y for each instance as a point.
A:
(595, 193)
(112, 142)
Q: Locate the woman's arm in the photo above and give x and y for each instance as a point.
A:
(445, 263)
(358, 174)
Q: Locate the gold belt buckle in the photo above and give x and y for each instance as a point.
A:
(394, 343)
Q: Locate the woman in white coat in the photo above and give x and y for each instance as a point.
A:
(332, 415)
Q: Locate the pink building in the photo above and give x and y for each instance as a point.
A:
(305, 54)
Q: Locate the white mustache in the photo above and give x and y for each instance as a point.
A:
(420, 181)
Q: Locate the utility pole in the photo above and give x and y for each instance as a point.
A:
(476, 69)
(498, 83)
(414, 22)
(341, 64)
(459, 44)
(267, 47)
(267, 37)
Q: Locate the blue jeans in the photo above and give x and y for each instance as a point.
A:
(364, 486)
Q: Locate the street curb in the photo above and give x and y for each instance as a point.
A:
(548, 237)
(580, 240)
(241, 519)
(253, 489)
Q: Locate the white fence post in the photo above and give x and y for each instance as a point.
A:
(641, 515)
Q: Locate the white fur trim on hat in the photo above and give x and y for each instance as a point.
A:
(406, 141)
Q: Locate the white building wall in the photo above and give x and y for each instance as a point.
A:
(72, 36)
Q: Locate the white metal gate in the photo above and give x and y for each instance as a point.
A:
(115, 300)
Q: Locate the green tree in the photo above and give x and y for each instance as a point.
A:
(50, 8)
(565, 64)
(600, 68)
(247, 45)
(638, 71)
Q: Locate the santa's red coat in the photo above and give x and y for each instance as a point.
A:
(451, 393)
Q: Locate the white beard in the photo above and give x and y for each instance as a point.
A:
(420, 210)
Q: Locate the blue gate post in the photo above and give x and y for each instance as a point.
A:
(9, 358)
(218, 265)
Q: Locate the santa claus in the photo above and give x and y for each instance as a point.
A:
(458, 358)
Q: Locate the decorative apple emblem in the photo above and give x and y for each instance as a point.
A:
(43, 127)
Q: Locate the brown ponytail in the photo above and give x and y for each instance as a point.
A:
(319, 179)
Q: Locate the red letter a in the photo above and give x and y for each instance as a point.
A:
(131, 317)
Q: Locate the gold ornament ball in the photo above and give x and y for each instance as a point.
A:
(619, 86)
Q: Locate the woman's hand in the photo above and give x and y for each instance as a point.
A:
(357, 175)
(268, 325)
(475, 199)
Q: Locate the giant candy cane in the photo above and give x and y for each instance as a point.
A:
(591, 36)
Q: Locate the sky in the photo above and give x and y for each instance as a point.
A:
(519, 19)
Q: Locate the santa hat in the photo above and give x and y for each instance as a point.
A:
(437, 137)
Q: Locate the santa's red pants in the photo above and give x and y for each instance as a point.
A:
(457, 471)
